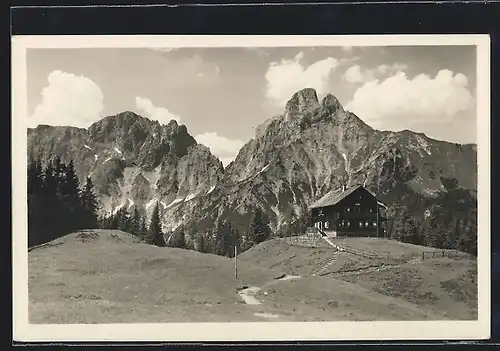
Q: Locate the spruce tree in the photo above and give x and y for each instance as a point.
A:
(155, 234)
(52, 210)
(135, 225)
(69, 196)
(218, 239)
(179, 239)
(200, 244)
(226, 238)
(144, 229)
(259, 227)
(36, 221)
(89, 205)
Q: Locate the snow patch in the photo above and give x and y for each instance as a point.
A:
(130, 203)
(264, 168)
(176, 201)
(423, 144)
(190, 197)
(163, 204)
(117, 208)
(117, 150)
(150, 203)
(96, 157)
(344, 156)
(211, 189)
(87, 147)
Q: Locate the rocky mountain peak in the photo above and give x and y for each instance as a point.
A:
(331, 104)
(302, 102)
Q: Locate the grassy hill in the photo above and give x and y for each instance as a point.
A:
(444, 282)
(104, 276)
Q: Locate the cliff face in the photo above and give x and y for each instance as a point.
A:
(294, 159)
(132, 161)
(315, 147)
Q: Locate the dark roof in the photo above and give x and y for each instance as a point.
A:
(333, 197)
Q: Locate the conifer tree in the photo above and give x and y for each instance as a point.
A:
(51, 210)
(226, 238)
(144, 229)
(259, 227)
(155, 234)
(89, 205)
(179, 239)
(200, 244)
(135, 225)
(35, 203)
(69, 195)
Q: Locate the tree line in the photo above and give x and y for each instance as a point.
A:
(136, 223)
(446, 222)
(57, 204)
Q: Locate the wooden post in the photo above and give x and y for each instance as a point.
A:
(376, 203)
(443, 253)
(235, 262)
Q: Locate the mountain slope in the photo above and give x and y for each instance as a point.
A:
(132, 161)
(294, 159)
(70, 282)
(315, 147)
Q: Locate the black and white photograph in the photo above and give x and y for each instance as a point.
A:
(324, 185)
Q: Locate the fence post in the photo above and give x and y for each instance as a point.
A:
(443, 253)
(423, 255)
(432, 254)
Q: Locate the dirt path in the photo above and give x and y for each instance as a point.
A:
(248, 296)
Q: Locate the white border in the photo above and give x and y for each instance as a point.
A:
(270, 331)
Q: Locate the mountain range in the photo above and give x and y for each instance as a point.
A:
(294, 159)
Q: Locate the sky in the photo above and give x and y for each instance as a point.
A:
(223, 94)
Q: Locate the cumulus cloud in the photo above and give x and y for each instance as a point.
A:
(224, 148)
(288, 76)
(399, 102)
(68, 99)
(357, 74)
(160, 114)
(347, 48)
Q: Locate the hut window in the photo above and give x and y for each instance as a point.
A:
(348, 223)
(348, 209)
(366, 224)
(371, 210)
(360, 224)
(326, 225)
(374, 224)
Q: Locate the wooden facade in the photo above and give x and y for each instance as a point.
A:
(351, 212)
